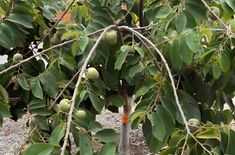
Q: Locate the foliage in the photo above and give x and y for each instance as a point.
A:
(199, 51)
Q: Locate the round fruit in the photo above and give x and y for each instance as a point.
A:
(17, 58)
(92, 73)
(80, 113)
(216, 11)
(194, 122)
(111, 37)
(64, 105)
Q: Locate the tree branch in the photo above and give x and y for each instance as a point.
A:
(172, 82)
(77, 85)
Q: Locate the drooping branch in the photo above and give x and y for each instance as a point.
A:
(36, 55)
(77, 85)
(172, 82)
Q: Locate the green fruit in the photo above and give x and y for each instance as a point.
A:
(92, 73)
(80, 113)
(17, 58)
(194, 122)
(216, 11)
(64, 105)
(111, 37)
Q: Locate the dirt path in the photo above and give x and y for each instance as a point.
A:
(13, 134)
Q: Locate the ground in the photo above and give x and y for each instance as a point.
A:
(13, 135)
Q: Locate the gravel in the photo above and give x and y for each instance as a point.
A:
(13, 135)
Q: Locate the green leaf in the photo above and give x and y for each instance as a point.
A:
(158, 131)
(186, 54)
(83, 42)
(39, 149)
(175, 55)
(122, 57)
(224, 62)
(135, 69)
(108, 149)
(116, 100)
(20, 19)
(231, 3)
(41, 121)
(6, 39)
(4, 110)
(69, 34)
(193, 41)
(180, 22)
(4, 94)
(145, 88)
(210, 133)
(231, 141)
(139, 50)
(216, 71)
(23, 83)
(57, 134)
(107, 135)
(35, 104)
(36, 88)
(48, 82)
(85, 144)
(96, 102)
(163, 12)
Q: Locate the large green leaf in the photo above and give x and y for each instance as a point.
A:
(36, 88)
(216, 71)
(107, 135)
(48, 82)
(116, 100)
(96, 102)
(4, 95)
(159, 130)
(193, 41)
(231, 141)
(23, 83)
(210, 133)
(122, 56)
(20, 19)
(85, 144)
(57, 134)
(6, 39)
(224, 62)
(108, 149)
(180, 22)
(231, 3)
(39, 149)
(175, 55)
(186, 53)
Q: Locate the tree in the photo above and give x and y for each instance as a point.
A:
(172, 59)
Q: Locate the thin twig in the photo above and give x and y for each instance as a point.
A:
(172, 82)
(57, 22)
(77, 85)
(65, 87)
(46, 50)
(217, 17)
(38, 54)
(185, 143)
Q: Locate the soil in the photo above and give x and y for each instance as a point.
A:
(13, 135)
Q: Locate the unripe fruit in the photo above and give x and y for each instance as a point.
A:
(216, 11)
(194, 122)
(80, 113)
(92, 73)
(17, 58)
(111, 37)
(64, 105)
